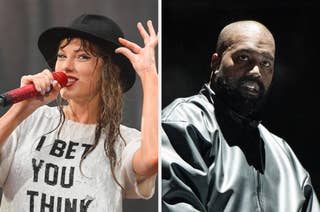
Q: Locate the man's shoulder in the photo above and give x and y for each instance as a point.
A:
(276, 142)
(186, 106)
(270, 135)
(280, 146)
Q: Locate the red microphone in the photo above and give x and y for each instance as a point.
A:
(29, 91)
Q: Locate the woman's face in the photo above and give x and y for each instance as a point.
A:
(83, 70)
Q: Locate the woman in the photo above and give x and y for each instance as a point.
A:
(79, 158)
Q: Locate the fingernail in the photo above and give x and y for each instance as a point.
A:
(51, 81)
(48, 89)
(43, 92)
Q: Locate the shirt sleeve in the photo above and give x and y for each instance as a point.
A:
(185, 168)
(7, 154)
(188, 149)
(8, 150)
(135, 186)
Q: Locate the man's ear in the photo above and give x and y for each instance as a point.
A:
(215, 61)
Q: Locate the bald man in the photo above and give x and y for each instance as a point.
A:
(216, 154)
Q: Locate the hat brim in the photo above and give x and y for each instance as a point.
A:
(48, 44)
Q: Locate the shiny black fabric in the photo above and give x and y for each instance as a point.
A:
(204, 171)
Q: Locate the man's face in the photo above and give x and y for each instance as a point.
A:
(245, 69)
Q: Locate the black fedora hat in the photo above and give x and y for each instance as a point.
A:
(97, 29)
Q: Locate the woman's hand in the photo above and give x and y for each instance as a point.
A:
(45, 84)
(142, 59)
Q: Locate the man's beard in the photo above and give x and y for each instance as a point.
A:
(240, 99)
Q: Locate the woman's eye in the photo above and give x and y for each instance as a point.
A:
(84, 57)
(61, 56)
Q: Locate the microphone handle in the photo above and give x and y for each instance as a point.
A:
(19, 94)
(29, 91)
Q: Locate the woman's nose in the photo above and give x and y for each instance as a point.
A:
(66, 65)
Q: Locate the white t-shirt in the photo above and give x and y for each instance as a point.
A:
(41, 172)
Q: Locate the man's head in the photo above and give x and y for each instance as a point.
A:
(242, 67)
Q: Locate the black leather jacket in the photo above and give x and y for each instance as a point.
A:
(204, 171)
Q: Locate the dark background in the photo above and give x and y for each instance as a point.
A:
(189, 33)
(22, 21)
